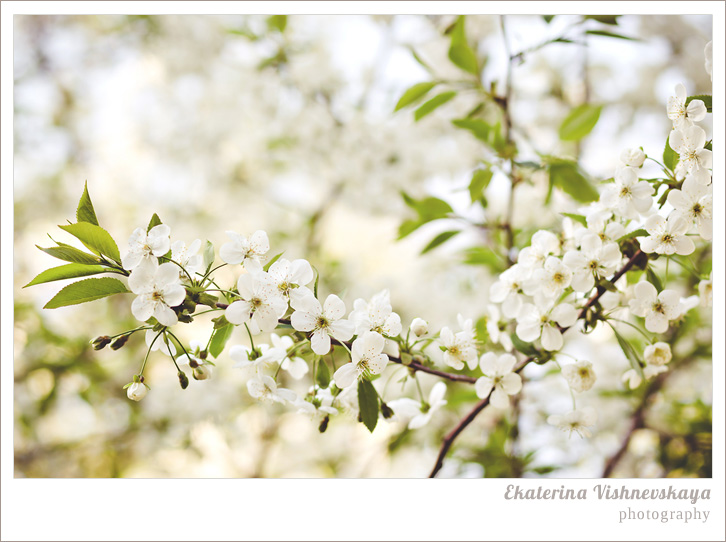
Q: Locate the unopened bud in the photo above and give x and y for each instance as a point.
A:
(183, 380)
(100, 342)
(118, 342)
(419, 327)
(406, 358)
(386, 410)
(202, 372)
(324, 424)
(136, 391)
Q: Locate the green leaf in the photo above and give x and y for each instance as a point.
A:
(670, 157)
(705, 98)
(653, 279)
(414, 93)
(273, 260)
(629, 352)
(68, 271)
(85, 211)
(605, 19)
(478, 127)
(482, 334)
(439, 240)
(368, 404)
(219, 339)
(606, 34)
(479, 181)
(155, 221)
(567, 176)
(86, 290)
(483, 256)
(460, 53)
(636, 233)
(548, 18)
(71, 254)
(579, 122)
(317, 280)
(525, 348)
(322, 375)
(428, 209)
(577, 218)
(95, 238)
(432, 104)
(277, 22)
(220, 322)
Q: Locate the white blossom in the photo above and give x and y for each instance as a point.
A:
(367, 358)
(496, 328)
(499, 379)
(633, 378)
(136, 391)
(187, 257)
(543, 244)
(158, 289)
(658, 309)
(667, 236)
(319, 405)
(324, 321)
(264, 388)
(632, 157)
(551, 280)
(459, 348)
(694, 202)
(248, 252)
(508, 290)
(695, 160)
(260, 303)
(419, 327)
(290, 278)
(146, 247)
(162, 344)
(594, 260)
(657, 354)
(376, 315)
(576, 421)
(545, 320)
(580, 375)
(682, 115)
(628, 196)
(416, 413)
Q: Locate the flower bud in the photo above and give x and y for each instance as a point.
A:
(202, 372)
(183, 379)
(657, 354)
(632, 157)
(419, 327)
(386, 410)
(100, 342)
(118, 342)
(324, 424)
(136, 391)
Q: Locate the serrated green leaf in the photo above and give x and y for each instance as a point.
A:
(670, 157)
(85, 211)
(705, 98)
(219, 340)
(606, 34)
(155, 221)
(636, 233)
(273, 260)
(86, 290)
(460, 53)
(577, 218)
(94, 238)
(368, 404)
(414, 93)
(434, 103)
(68, 271)
(579, 122)
(439, 240)
(71, 254)
(479, 181)
(322, 375)
(567, 176)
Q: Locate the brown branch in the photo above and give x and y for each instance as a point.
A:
(449, 438)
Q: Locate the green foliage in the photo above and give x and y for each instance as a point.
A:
(440, 239)
(68, 271)
(640, 232)
(577, 218)
(482, 335)
(414, 93)
(653, 278)
(670, 157)
(525, 348)
(605, 19)
(460, 53)
(705, 98)
(155, 221)
(85, 211)
(220, 337)
(567, 176)
(606, 34)
(428, 209)
(95, 238)
(434, 103)
(479, 181)
(368, 404)
(630, 353)
(71, 254)
(579, 122)
(86, 290)
(267, 266)
(484, 256)
(277, 22)
(322, 375)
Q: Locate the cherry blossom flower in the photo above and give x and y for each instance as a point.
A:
(508, 290)
(549, 281)
(146, 247)
(593, 261)
(376, 315)
(291, 277)
(158, 289)
(319, 405)
(459, 348)
(323, 321)
(667, 236)
(695, 160)
(187, 257)
(633, 378)
(580, 376)
(576, 421)
(632, 157)
(259, 303)
(611, 231)
(496, 328)
(367, 358)
(628, 196)
(657, 354)
(694, 202)
(545, 320)
(658, 309)
(264, 388)
(415, 413)
(248, 252)
(162, 344)
(682, 115)
(266, 355)
(543, 244)
(499, 379)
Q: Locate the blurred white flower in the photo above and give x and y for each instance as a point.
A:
(376, 315)
(593, 261)
(508, 290)
(419, 327)
(694, 202)
(580, 376)
(667, 236)
(416, 413)
(576, 421)
(323, 321)
(705, 291)
(264, 388)
(496, 328)
(657, 354)
(367, 358)
(682, 115)
(248, 252)
(695, 160)
(708, 54)
(545, 320)
(632, 157)
(658, 309)
(187, 257)
(158, 289)
(628, 196)
(499, 379)
(147, 247)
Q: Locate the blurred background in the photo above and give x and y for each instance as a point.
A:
(286, 124)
